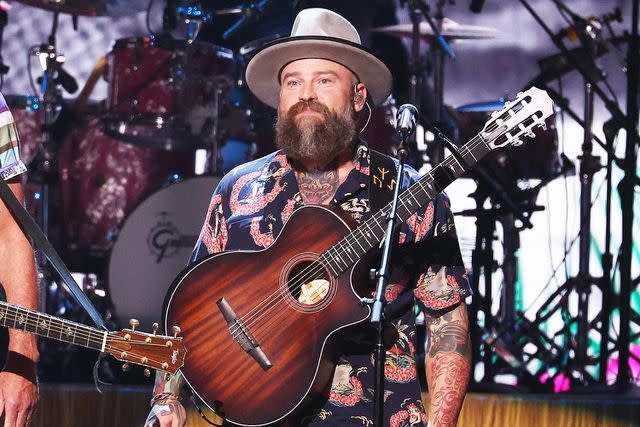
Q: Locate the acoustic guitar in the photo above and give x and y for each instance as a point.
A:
(165, 353)
(259, 348)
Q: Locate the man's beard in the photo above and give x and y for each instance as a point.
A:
(312, 138)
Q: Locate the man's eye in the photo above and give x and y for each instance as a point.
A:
(324, 81)
(292, 83)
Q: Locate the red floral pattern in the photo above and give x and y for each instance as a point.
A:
(421, 226)
(214, 234)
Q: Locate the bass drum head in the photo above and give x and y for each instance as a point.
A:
(154, 245)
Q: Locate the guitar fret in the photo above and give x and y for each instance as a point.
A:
(361, 247)
(413, 196)
(368, 234)
(347, 250)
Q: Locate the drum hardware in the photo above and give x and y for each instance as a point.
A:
(576, 361)
(437, 32)
(194, 16)
(165, 93)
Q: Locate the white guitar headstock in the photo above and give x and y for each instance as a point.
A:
(517, 119)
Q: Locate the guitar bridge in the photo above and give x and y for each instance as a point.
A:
(241, 334)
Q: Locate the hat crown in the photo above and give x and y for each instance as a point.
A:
(325, 23)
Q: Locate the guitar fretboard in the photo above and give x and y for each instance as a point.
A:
(12, 316)
(356, 244)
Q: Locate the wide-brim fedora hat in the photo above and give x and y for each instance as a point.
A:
(320, 34)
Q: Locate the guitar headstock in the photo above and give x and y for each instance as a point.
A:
(518, 118)
(154, 351)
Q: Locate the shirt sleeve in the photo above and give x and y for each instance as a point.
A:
(440, 279)
(10, 163)
(214, 233)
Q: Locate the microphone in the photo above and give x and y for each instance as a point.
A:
(476, 6)
(406, 120)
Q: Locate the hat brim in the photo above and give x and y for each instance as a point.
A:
(263, 70)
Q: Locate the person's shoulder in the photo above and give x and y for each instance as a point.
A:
(247, 168)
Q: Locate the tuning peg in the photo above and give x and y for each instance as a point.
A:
(126, 367)
(134, 323)
(176, 330)
(147, 372)
(155, 327)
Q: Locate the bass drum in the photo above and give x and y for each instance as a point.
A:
(154, 245)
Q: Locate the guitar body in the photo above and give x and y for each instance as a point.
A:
(262, 289)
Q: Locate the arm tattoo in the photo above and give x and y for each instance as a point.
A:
(447, 335)
(318, 187)
(448, 365)
(452, 376)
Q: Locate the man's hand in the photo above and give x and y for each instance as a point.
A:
(18, 390)
(166, 413)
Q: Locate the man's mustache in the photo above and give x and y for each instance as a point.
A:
(301, 106)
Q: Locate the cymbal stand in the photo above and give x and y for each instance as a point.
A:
(420, 10)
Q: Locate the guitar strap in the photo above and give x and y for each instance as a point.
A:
(382, 180)
(40, 241)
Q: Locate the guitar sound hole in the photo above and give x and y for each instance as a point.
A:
(308, 283)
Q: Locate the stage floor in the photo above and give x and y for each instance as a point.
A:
(81, 405)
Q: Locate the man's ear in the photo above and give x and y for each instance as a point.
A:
(359, 96)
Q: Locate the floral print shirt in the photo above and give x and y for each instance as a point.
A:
(10, 163)
(249, 209)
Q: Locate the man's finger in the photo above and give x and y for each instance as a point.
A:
(21, 419)
(10, 414)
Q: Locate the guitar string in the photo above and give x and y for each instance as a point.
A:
(82, 332)
(305, 275)
(29, 321)
(250, 319)
(97, 339)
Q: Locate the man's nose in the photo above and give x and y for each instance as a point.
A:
(307, 93)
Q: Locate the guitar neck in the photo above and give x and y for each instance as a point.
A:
(44, 325)
(356, 244)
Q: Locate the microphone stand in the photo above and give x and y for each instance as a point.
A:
(382, 277)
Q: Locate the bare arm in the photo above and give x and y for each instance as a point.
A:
(166, 409)
(448, 365)
(18, 383)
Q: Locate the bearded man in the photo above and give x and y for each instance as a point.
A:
(319, 78)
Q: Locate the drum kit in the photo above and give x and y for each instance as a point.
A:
(113, 171)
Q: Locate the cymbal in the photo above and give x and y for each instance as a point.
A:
(450, 30)
(91, 7)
